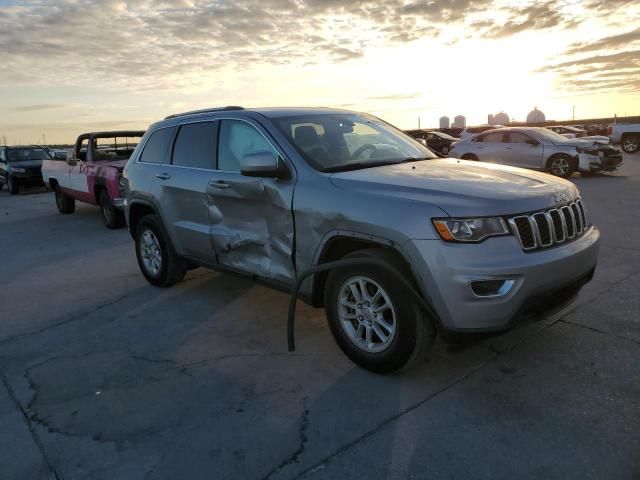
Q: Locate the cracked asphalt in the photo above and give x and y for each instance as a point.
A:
(106, 377)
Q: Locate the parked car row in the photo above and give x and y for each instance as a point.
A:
(350, 214)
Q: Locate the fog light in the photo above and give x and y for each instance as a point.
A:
(491, 288)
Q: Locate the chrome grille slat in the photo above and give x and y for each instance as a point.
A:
(550, 227)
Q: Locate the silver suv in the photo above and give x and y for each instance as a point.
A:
(442, 244)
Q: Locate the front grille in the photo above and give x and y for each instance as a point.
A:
(550, 227)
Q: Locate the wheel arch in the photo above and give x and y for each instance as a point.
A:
(137, 210)
(338, 244)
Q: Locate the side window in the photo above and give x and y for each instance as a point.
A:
(237, 139)
(517, 137)
(2, 159)
(157, 148)
(490, 138)
(195, 145)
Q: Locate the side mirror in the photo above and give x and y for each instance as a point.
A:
(71, 159)
(264, 164)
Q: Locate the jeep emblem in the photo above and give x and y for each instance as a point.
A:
(560, 197)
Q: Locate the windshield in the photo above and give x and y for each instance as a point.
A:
(340, 142)
(24, 154)
(113, 148)
(445, 136)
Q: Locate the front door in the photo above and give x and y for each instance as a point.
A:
(524, 151)
(490, 147)
(252, 223)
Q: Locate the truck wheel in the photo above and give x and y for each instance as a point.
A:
(113, 218)
(64, 203)
(631, 143)
(373, 319)
(156, 257)
(12, 185)
(561, 166)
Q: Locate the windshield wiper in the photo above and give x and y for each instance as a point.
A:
(361, 165)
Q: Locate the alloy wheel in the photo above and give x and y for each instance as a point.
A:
(366, 314)
(630, 145)
(560, 167)
(151, 252)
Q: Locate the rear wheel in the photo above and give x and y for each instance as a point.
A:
(372, 317)
(631, 143)
(112, 217)
(12, 185)
(561, 166)
(64, 203)
(469, 156)
(157, 259)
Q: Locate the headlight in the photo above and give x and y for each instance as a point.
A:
(17, 170)
(470, 229)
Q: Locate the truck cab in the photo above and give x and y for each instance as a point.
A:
(91, 173)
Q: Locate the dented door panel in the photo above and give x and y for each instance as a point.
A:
(252, 224)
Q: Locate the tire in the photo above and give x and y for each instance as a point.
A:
(12, 185)
(631, 143)
(469, 156)
(561, 166)
(409, 330)
(112, 217)
(65, 204)
(157, 259)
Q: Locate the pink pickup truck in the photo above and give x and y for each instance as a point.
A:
(92, 173)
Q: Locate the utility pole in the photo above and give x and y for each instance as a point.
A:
(574, 112)
(418, 122)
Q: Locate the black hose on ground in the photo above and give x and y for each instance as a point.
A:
(338, 264)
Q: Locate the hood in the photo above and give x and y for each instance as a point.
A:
(461, 188)
(26, 164)
(119, 164)
(584, 142)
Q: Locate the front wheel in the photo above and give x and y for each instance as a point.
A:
(157, 260)
(561, 166)
(444, 150)
(12, 185)
(372, 317)
(631, 143)
(112, 217)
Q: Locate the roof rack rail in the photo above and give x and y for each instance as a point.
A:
(205, 110)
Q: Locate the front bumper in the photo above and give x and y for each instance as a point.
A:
(596, 163)
(445, 272)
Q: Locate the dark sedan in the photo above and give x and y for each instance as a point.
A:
(21, 166)
(437, 141)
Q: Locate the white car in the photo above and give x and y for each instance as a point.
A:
(540, 149)
(627, 135)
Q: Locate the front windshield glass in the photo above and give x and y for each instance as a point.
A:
(25, 154)
(340, 142)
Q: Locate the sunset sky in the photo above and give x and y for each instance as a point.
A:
(73, 66)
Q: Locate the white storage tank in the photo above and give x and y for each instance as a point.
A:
(536, 116)
(460, 121)
(501, 119)
(444, 122)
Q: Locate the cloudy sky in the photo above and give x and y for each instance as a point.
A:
(75, 65)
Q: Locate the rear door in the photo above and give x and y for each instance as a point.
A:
(523, 151)
(252, 223)
(490, 147)
(182, 189)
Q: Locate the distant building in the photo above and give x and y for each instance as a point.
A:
(490, 119)
(500, 119)
(536, 116)
(444, 122)
(460, 121)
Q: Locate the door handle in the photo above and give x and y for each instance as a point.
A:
(163, 176)
(219, 184)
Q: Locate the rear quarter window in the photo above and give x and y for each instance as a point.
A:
(156, 150)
